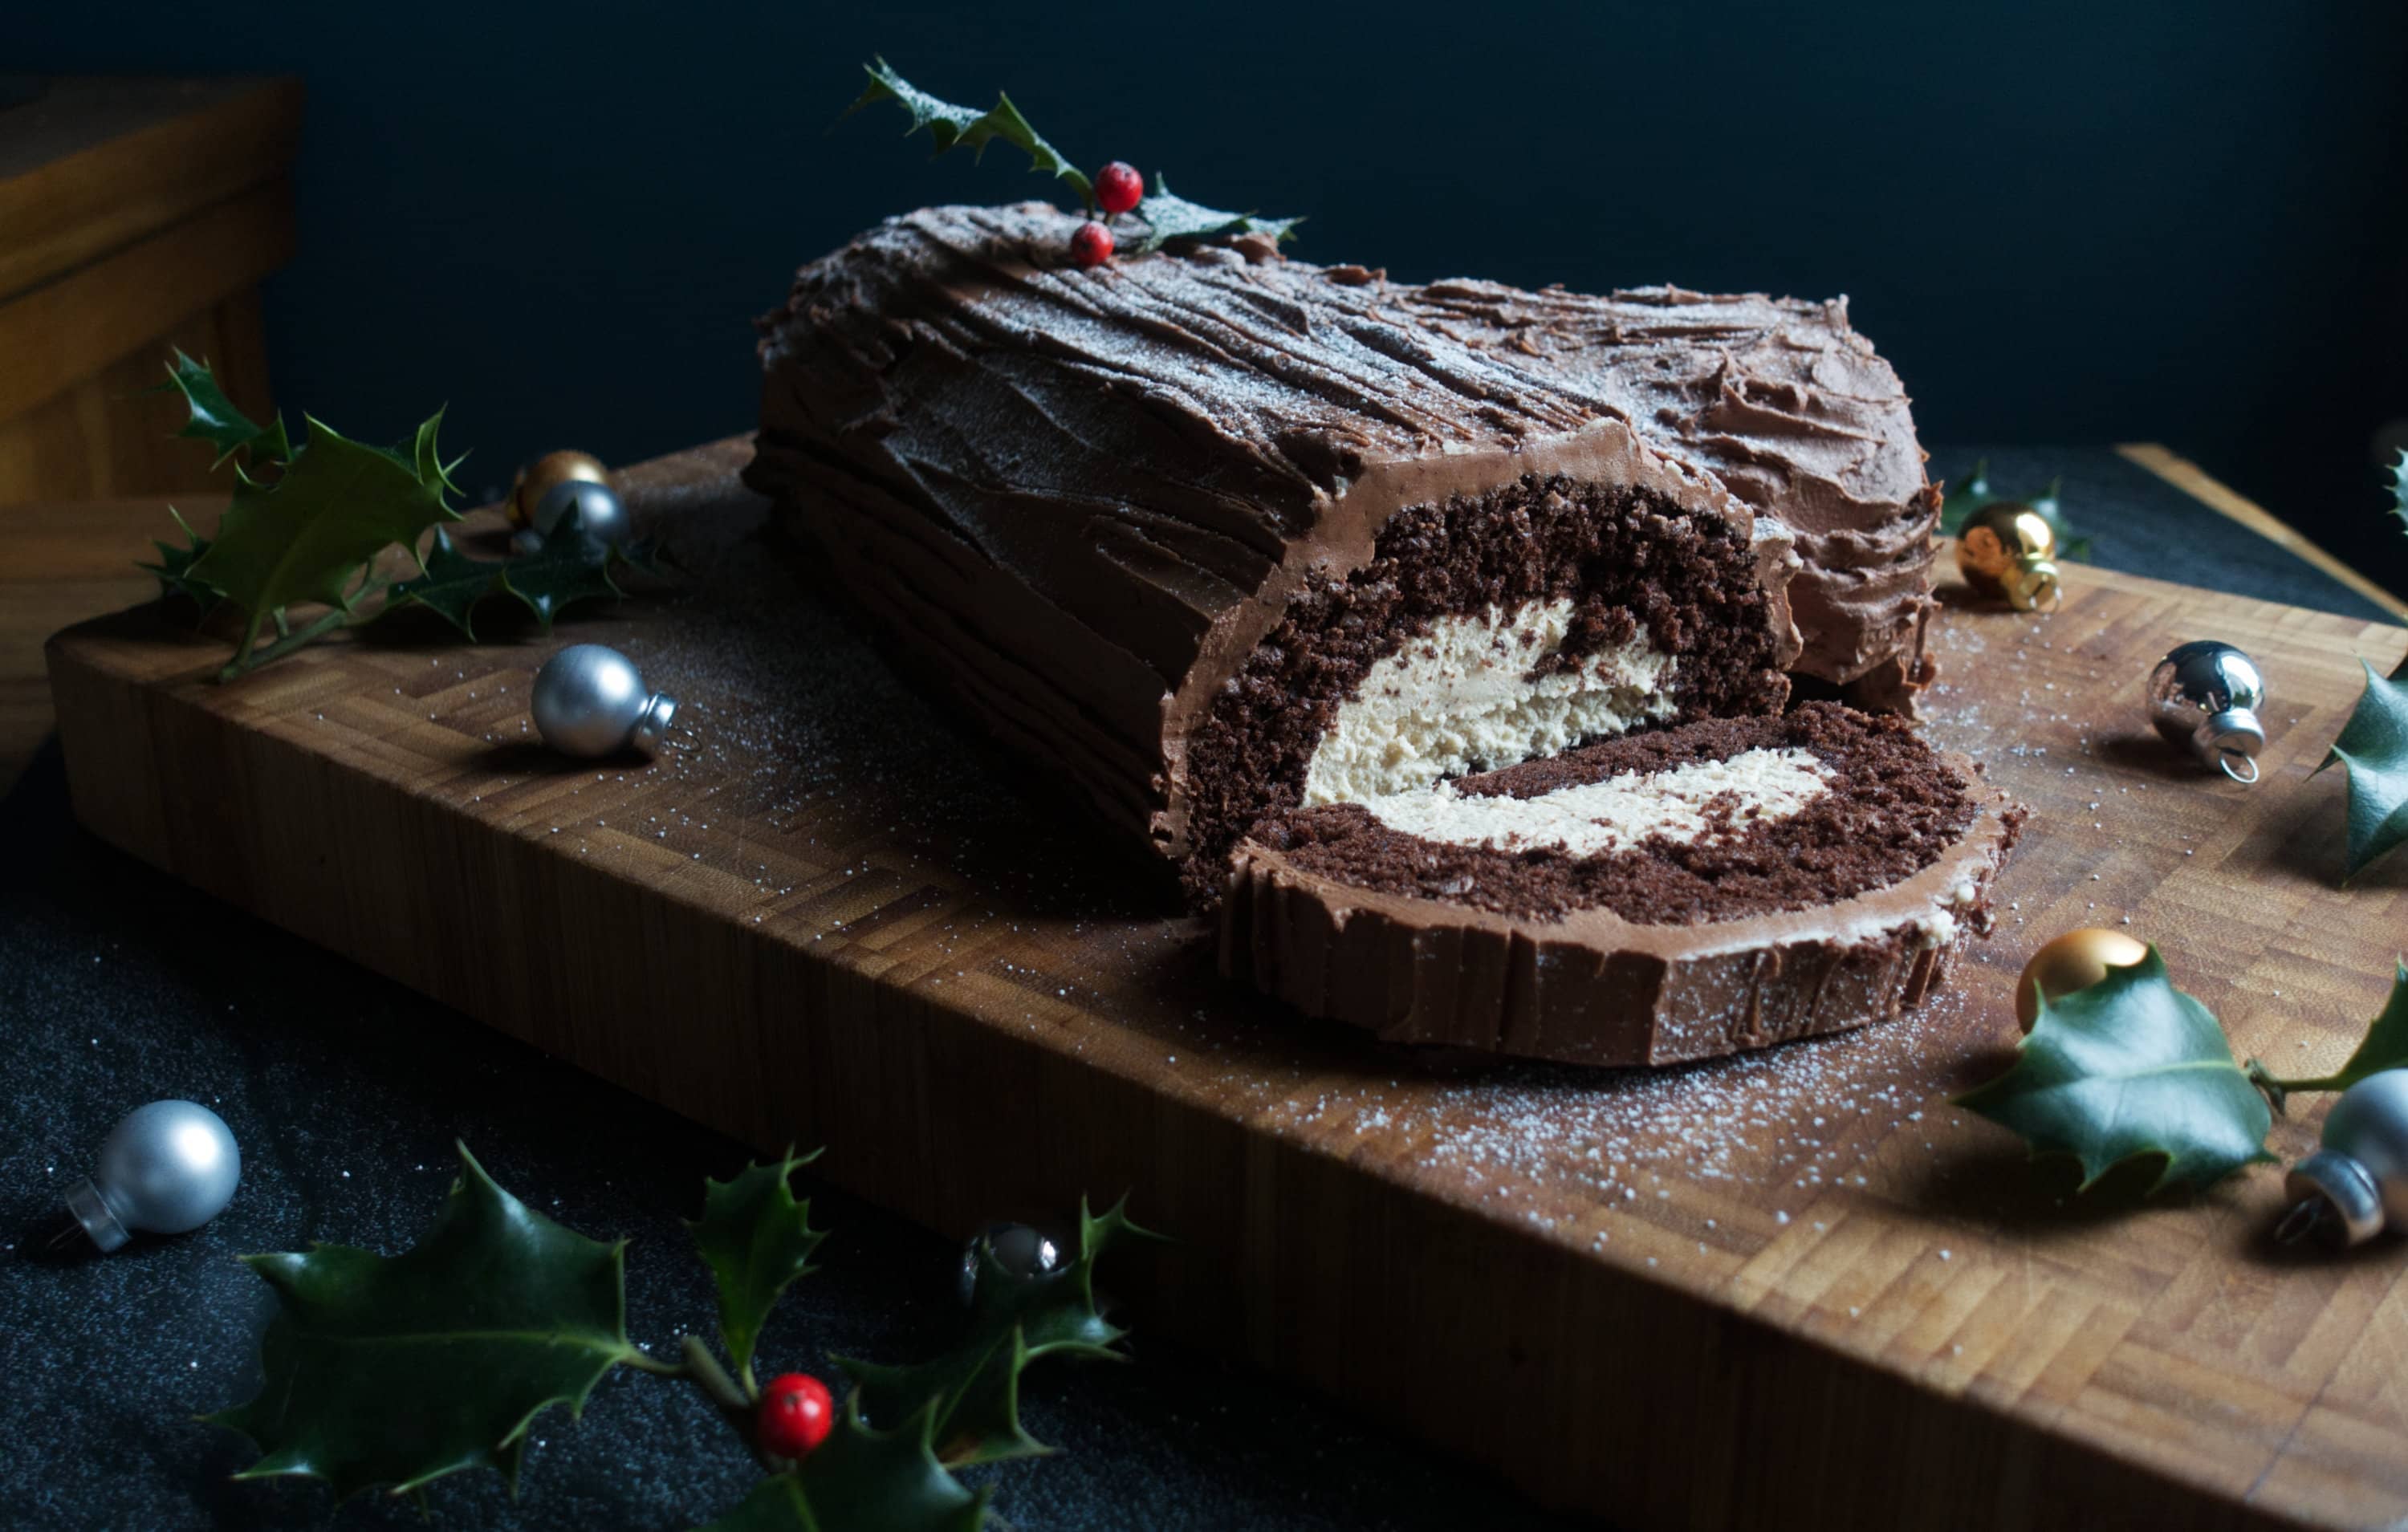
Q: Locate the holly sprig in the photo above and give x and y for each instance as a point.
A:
(1164, 219)
(311, 521)
(2132, 1068)
(397, 1370)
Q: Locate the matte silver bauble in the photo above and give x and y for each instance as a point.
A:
(166, 1168)
(590, 700)
(600, 514)
(2356, 1185)
(1018, 1251)
(2204, 697)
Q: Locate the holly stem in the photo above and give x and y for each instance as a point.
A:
(734, 1404)
(2277, 1089)
(248, 658)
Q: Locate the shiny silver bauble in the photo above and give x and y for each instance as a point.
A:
(2204, 697)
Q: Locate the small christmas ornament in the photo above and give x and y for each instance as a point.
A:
(166, 1168)
(546, 474)
(1021, 1251)
(591, 700)
(2074, 961)
(1091, 244)
(2356, 1185)
(1119, 187)
(600, 515)
(2204, 697)
(795, 1414)
(2007, 550)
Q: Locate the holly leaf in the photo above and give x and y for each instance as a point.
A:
(309, 534)
(1976, 493)
(212, 417)
(862, 1479)
(450, 583)
(2130, 1067)
(756, 1238)
(400, 1370)
(1170, 217)
(971, 1394)
(954, 126)
(2372, 748)
(2383, 1047)
(175, 566)
(2400, 488)
(569, 567)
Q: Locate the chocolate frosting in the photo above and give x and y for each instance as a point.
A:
(1085, 495)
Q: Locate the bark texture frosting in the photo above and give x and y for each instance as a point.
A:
(1086, 498)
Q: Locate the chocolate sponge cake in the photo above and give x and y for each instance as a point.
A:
(1651, 899)
(1225, 540)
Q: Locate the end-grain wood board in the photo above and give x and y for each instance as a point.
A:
(1793, 1288)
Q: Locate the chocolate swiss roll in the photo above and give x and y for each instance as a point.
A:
(1237, 545)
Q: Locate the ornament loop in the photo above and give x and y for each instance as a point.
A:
(2227, 761)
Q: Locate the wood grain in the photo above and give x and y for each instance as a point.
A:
(135, 215)
(96, 164)
(1795, 1288)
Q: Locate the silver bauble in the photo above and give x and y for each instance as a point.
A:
(1018, 1251)
(2204, 697)
(600, 513)
(2356, 1185)
(590, 700)
(166, 1168)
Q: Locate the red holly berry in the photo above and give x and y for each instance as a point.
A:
(795, 1414)
(1091, 244)
(1119, 187)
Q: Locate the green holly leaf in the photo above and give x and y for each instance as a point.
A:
(2383, 1047)
(309, 534)
(1976, 493)
(756, 1238)
(2373, 750)
(954, 126)
(212, 417)
(1170, 217)
(2130, 1067)
(175, 566)
(569, 567)
(400, 1370)
(971, 1393)
(859, 1480)
(2400, 488)
(450, 583)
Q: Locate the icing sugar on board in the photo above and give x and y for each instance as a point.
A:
(1791, 1286)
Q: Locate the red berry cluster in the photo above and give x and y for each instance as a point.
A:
(1118, 188)
(795, 1414)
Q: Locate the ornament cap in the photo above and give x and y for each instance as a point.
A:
(2034, 586)
(654, 722)
(2232, 739)
(93, 1214)
(2346, 1202)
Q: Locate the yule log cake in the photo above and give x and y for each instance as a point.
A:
(1441, 635)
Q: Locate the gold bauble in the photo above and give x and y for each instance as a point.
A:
(2008, 551)
(547, 473)
(2074, 961)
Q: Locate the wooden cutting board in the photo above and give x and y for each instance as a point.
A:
(1795, 1288)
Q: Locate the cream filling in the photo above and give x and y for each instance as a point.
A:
(1460, 698)
(1604, 816)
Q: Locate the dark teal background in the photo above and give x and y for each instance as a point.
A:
(2065, 225)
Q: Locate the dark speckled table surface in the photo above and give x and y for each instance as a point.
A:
(117, 986)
